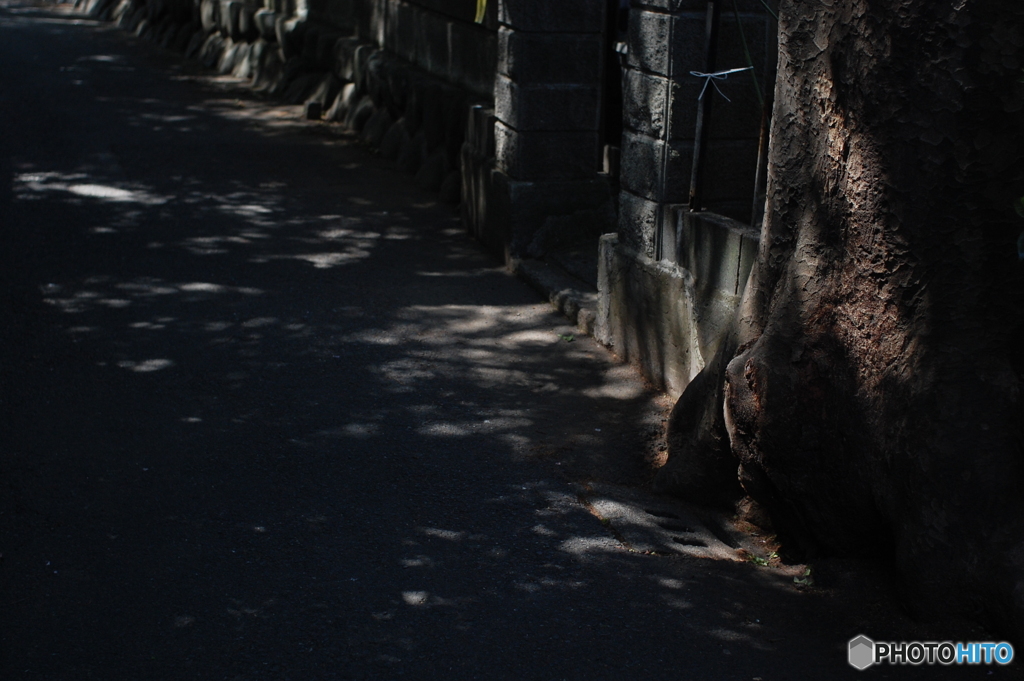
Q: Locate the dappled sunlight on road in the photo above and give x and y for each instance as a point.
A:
(268, 320)
(245, 219)
(251, 289)
(33, 186)
(261, 326)
(558, 555)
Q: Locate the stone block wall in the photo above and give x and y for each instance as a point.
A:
(439, 37)
(667, 40)
(670, 279)
(527, 129)
(547, 98)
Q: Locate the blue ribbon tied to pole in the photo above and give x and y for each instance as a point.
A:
(716, 76)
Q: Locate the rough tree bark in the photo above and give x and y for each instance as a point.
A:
(871, 390)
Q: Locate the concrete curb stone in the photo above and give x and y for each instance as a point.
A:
(300, 88)
(195, 44)
(326, 91)
(209, 53)
(228, 55)
(396, 136)
(342, 103)
(265, 20)
(376, 127)
(360, 113)
(243, 62)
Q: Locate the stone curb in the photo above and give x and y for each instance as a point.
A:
(573, 298)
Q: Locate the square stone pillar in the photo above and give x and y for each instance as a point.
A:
(547, 115)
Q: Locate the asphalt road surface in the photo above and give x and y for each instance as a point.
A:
(266, 412)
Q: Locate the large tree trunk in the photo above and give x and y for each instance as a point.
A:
(873, 398)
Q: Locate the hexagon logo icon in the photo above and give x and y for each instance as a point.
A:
(861, 652)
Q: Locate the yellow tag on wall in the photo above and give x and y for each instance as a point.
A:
(481, 10)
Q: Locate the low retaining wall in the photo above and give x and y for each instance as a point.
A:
(667, 317)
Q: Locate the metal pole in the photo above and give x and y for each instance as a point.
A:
(761, 178)
(700, 140)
